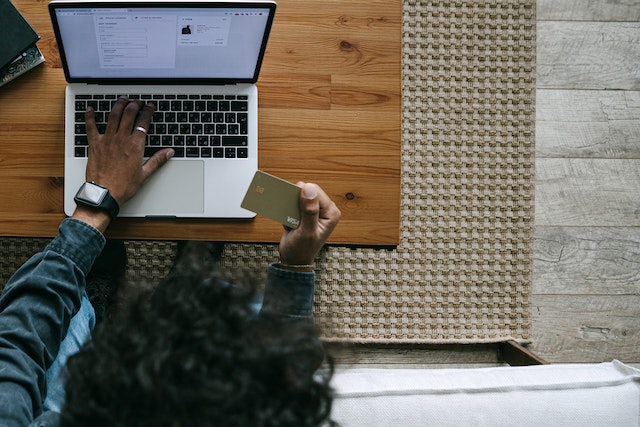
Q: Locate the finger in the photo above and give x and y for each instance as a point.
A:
(129, 116)
(144, 118)
(328, 214)
(328, 209)
(90, 124)
(115, 115)
(154, 162)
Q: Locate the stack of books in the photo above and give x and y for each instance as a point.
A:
(18, 50)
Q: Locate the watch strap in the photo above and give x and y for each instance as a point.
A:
(110, 205)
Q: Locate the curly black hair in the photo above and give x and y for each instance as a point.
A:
(192, 353)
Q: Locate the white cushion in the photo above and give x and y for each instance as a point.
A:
(606, 394)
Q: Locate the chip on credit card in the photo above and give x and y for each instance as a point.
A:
(274, 198)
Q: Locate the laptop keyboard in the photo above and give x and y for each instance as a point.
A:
(195, 126)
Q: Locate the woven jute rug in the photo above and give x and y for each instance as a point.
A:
(462, 272)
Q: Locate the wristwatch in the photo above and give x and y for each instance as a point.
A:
(96, 196)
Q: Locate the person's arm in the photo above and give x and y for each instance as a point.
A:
(35, 309)
(290, 286)
(288, 293)
(39, 300)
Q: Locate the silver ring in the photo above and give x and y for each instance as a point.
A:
(141, 129)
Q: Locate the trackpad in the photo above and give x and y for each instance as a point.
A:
(177, 188)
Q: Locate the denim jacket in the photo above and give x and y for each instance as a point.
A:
(40, 299)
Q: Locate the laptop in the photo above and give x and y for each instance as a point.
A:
(198, 62)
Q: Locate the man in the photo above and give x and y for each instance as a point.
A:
(44, 306)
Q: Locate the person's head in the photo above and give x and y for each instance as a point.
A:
(194, 354)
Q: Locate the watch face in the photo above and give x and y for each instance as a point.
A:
(91, 193)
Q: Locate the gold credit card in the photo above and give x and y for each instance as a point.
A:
(273, 198)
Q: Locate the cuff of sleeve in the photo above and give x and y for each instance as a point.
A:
(289, 293)
(79, 241)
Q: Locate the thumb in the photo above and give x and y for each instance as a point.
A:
(154, 162)
(309, 206)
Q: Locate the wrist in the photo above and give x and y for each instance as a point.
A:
(95, 217)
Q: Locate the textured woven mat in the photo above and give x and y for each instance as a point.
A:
(462, 272)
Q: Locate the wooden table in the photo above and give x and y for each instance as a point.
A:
(330, 113)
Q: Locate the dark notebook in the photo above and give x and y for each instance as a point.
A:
(16, 35)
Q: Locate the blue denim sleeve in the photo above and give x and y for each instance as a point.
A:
(288, 293)
(35, 309)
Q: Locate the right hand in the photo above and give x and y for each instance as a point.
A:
(115, 158)
(320, 215)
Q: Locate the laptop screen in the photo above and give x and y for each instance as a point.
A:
(103, 42)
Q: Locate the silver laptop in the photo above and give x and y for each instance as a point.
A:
(198, 62)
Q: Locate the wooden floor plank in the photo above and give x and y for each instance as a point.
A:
(587, 260)
(588, 55)
(587, 192)
(586, 328)
(588, 124)
(592, 10)
(413, 356)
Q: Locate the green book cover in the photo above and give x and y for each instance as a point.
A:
(16, 35)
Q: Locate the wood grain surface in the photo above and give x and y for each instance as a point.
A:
(330, 113)
(585, 282)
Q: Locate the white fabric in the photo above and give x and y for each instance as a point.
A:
(606, 394)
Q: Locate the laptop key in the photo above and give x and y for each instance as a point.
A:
(160, 128)
(243, 121)
(234, 141)
(239, 106)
